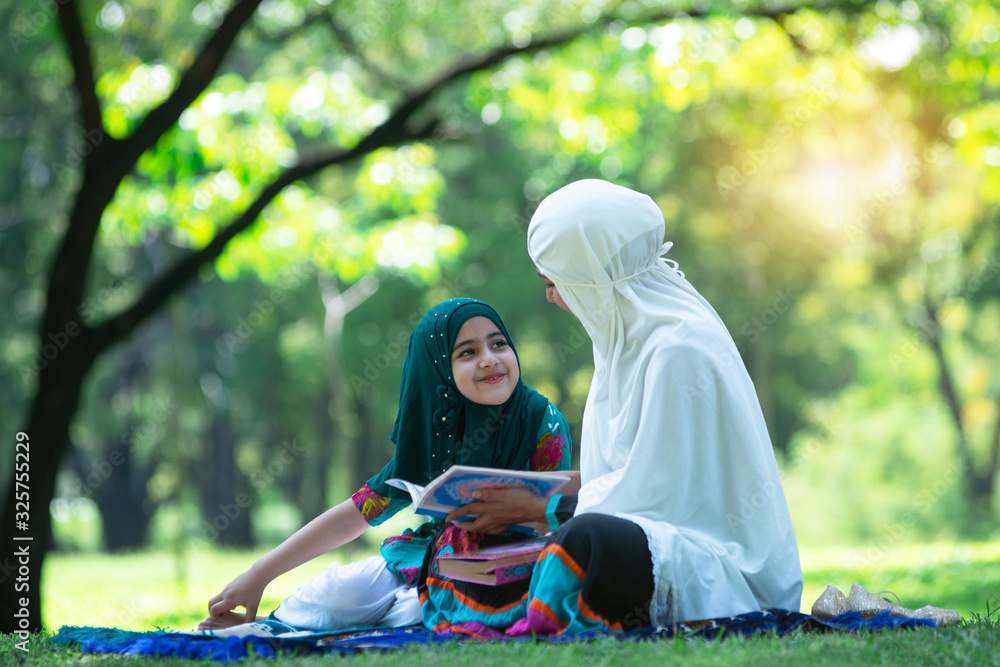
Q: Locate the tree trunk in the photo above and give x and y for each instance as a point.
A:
(226, 508)
(26, 530)
(314, 498)
(979, 485)
(67, 350)
(118, 482)
(760, 371)
(366, 449)
(337, 305)
(118, 488)
(979, 489)
(122, 501)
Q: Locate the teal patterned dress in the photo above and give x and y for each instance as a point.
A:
(458, 606)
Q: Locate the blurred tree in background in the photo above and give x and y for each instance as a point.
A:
(307, 177)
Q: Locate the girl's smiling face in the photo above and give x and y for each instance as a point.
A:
(483, 363)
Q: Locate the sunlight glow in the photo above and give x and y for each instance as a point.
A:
(891, 48)
(830, 183)
(834, 191)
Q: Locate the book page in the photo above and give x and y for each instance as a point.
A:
(456, 485)
(415, 490)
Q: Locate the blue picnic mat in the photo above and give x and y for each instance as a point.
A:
(275, 638)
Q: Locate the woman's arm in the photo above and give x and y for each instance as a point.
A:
(572, 487)
(335, 527)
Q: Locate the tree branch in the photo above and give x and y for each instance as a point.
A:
(197, 77)
(351, 47)
(473, 64)
(278, 36)
(83, 71)
(947, 384)
(111, 330)
(396, 130)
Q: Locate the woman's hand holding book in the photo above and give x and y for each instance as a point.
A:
(498, 508)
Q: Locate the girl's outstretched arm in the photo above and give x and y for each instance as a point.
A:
(335, 527)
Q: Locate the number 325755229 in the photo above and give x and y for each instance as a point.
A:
(21, 464)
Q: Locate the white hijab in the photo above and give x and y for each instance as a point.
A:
(673, 437)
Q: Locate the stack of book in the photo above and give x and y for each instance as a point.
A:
(494, 565)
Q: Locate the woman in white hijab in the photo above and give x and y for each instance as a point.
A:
(673, 440)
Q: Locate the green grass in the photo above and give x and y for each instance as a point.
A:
(975, 643)
(161, 590)
(149, 590)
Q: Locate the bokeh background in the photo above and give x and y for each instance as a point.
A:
(220, 220)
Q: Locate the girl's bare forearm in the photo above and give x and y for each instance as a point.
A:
(336, 527)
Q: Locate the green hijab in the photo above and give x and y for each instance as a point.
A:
(436, 426)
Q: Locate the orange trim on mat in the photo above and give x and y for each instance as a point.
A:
(446, 585)
(564, 557)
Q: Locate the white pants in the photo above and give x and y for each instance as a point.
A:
(353, 595)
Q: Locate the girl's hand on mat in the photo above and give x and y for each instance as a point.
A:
(499, 508)
(244, 591)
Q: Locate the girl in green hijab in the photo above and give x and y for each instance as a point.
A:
(461, 401)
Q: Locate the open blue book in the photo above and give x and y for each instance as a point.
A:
(454, 488)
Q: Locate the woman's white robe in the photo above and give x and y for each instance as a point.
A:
(673, 436)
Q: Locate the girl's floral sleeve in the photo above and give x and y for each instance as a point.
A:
(375, 508)
(555, 446)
